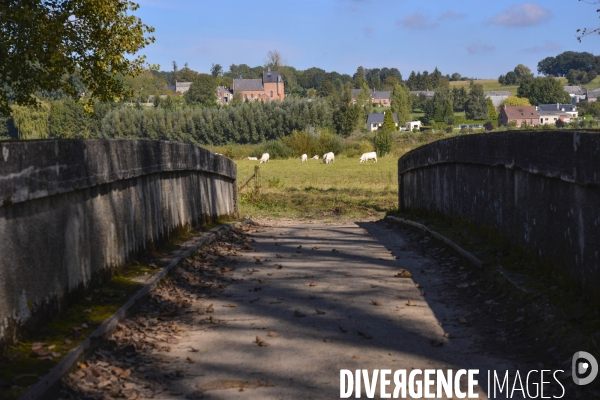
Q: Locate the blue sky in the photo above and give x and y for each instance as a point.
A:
(476, 38)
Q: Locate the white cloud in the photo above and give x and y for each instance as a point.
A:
(480, 48)
(528, 14)
(452, 15)
(547, 47)
(416, 21)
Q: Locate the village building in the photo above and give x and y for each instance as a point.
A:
(427, 93)
(592, 95)
(224, 95)
(518, 115)
(497, 97)
(270, 87)
(180, 87)
(375, 120)
(378, 97)
(577, 93)
(566, 109)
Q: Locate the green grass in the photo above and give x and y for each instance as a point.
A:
(344, 189)
(488, 85)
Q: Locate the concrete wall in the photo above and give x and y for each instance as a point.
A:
(70, 210)
(540, 188)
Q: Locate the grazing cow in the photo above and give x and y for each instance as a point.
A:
(368, 156)
(328, 158)
(316, 157)
(252, 159)
(304, 157)
(264, 158)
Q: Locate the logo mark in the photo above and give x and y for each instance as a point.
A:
(583, 364)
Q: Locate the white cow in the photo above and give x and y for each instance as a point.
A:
(316, 157)
(304, 157)
(368, 156)
(328, 158)
(264, 158)
(252, 159)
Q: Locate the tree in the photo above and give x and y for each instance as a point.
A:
(460, 97)
(562, 63)
(492, 113)
(202, 90)
(585, 32)
(515, 101)
(523, 73)
(363, 100)
(476, 107)
(388, 122)
(401, 103)
(216, 70)
(274, 60)
(544, 91)
(43, 43)
(326, 89)
(346, 118)
(489, 126)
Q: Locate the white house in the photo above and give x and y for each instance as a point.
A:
(375, 120)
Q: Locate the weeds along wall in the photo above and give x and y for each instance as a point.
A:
(539, 188)
(72, 210)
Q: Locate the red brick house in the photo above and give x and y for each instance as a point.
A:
(270, 87)
(519, 115)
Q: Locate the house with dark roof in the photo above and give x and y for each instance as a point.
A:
(497, 97)
(270, 87)
(519, 116)
(577, 93)
(592, 95)
(380, 97)
(564, 109)
(427, 93)
(375, 120)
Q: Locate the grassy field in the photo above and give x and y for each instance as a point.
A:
(344, 189)
(492, 84)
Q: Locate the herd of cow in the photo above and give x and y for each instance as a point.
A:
(327, 158)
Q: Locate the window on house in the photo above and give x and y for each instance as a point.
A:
(251, 96)
(271, 93)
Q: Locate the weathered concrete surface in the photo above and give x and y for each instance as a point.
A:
(71, 210)
(542, 189)
(339, 326)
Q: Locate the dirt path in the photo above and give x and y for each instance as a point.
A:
(275, 312)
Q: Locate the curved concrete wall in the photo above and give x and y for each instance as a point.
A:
(70, 210)
(541, 188)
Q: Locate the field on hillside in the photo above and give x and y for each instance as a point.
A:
(492, 84)
(344, 189)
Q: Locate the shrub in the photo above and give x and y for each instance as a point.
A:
(302, 142)
(328, 141)
(489, 126)
(449, 129)
(277, 149)
(383, 142)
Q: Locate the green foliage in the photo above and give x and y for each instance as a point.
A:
(492, 113)
(520, 74)
(477, 106)
(346, 118)
(363, 100)
(43, 42)
(564, 62)
(459, 98)
(31, 122)
(383, 142)
(277, 149)
(388, 122)
(202, 91)
(587, 108)
(544, 91)
(401, 103)
(302, 142)
(515, 101)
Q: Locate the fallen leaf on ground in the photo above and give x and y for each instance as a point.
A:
(403, 274)
(279, 266)
(299, 314)
(271, 274)
(348, 274)
(190, 360)
(312, 284)
(327, 340)
(247, 246)
(210, 309)
(273, 334)
(376, 303)
(447, 335)
(355, 356)
(230, 305)
(315, 248)
(261, 342)
(225, 269)
(366, 335)
(411, 303)
(278, 256)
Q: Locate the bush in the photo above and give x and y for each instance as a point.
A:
(489, 126)
(277, 149)
(449, 129)
(383, 142)
(302, 142)
(328, 141)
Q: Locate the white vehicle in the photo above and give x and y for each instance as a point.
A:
(264, 158)
(368, 156)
